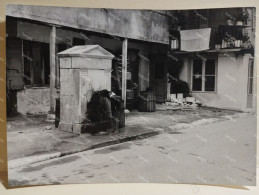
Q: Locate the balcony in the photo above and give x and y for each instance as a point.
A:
(223, 39)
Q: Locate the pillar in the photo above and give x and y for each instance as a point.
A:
(52, 50)
(143, 72)
(124, 70)
(168, 94)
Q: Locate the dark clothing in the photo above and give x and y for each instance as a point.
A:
(99, 111)
(106, 105)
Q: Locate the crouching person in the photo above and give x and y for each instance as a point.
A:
(107, 112)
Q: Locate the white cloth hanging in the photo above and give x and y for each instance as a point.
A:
(195, 40)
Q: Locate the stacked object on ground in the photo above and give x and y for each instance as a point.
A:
(147, 101)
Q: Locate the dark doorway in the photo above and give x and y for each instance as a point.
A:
(158, 76)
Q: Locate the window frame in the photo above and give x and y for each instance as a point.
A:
(249, 77)
(32, 84)
(203, 75)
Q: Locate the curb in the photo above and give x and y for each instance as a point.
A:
(35, 159)
(31, 159)
(112, 142)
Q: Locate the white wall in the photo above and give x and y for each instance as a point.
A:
(231, 83)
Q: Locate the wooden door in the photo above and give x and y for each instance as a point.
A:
(159, 77)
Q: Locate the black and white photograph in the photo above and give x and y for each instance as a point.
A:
(98, 95)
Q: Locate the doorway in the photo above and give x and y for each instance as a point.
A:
(158, 75)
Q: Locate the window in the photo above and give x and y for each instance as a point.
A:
(36, 63)
(204, 75)
(27, 63)
(197, 75)
(250, 76)
(210, 75)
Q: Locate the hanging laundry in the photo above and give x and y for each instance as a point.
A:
(195, 40)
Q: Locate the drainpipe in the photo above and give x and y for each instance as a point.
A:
(52, 50)
(124, 70)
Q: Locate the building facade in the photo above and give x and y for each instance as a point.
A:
(222, 76)
(36, 34)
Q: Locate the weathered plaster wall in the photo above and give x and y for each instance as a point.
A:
(231, 84)
(136, 24)
(41, 33)
(33, 101)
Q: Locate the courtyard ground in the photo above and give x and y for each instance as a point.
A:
(222, 153)
(31, 139)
